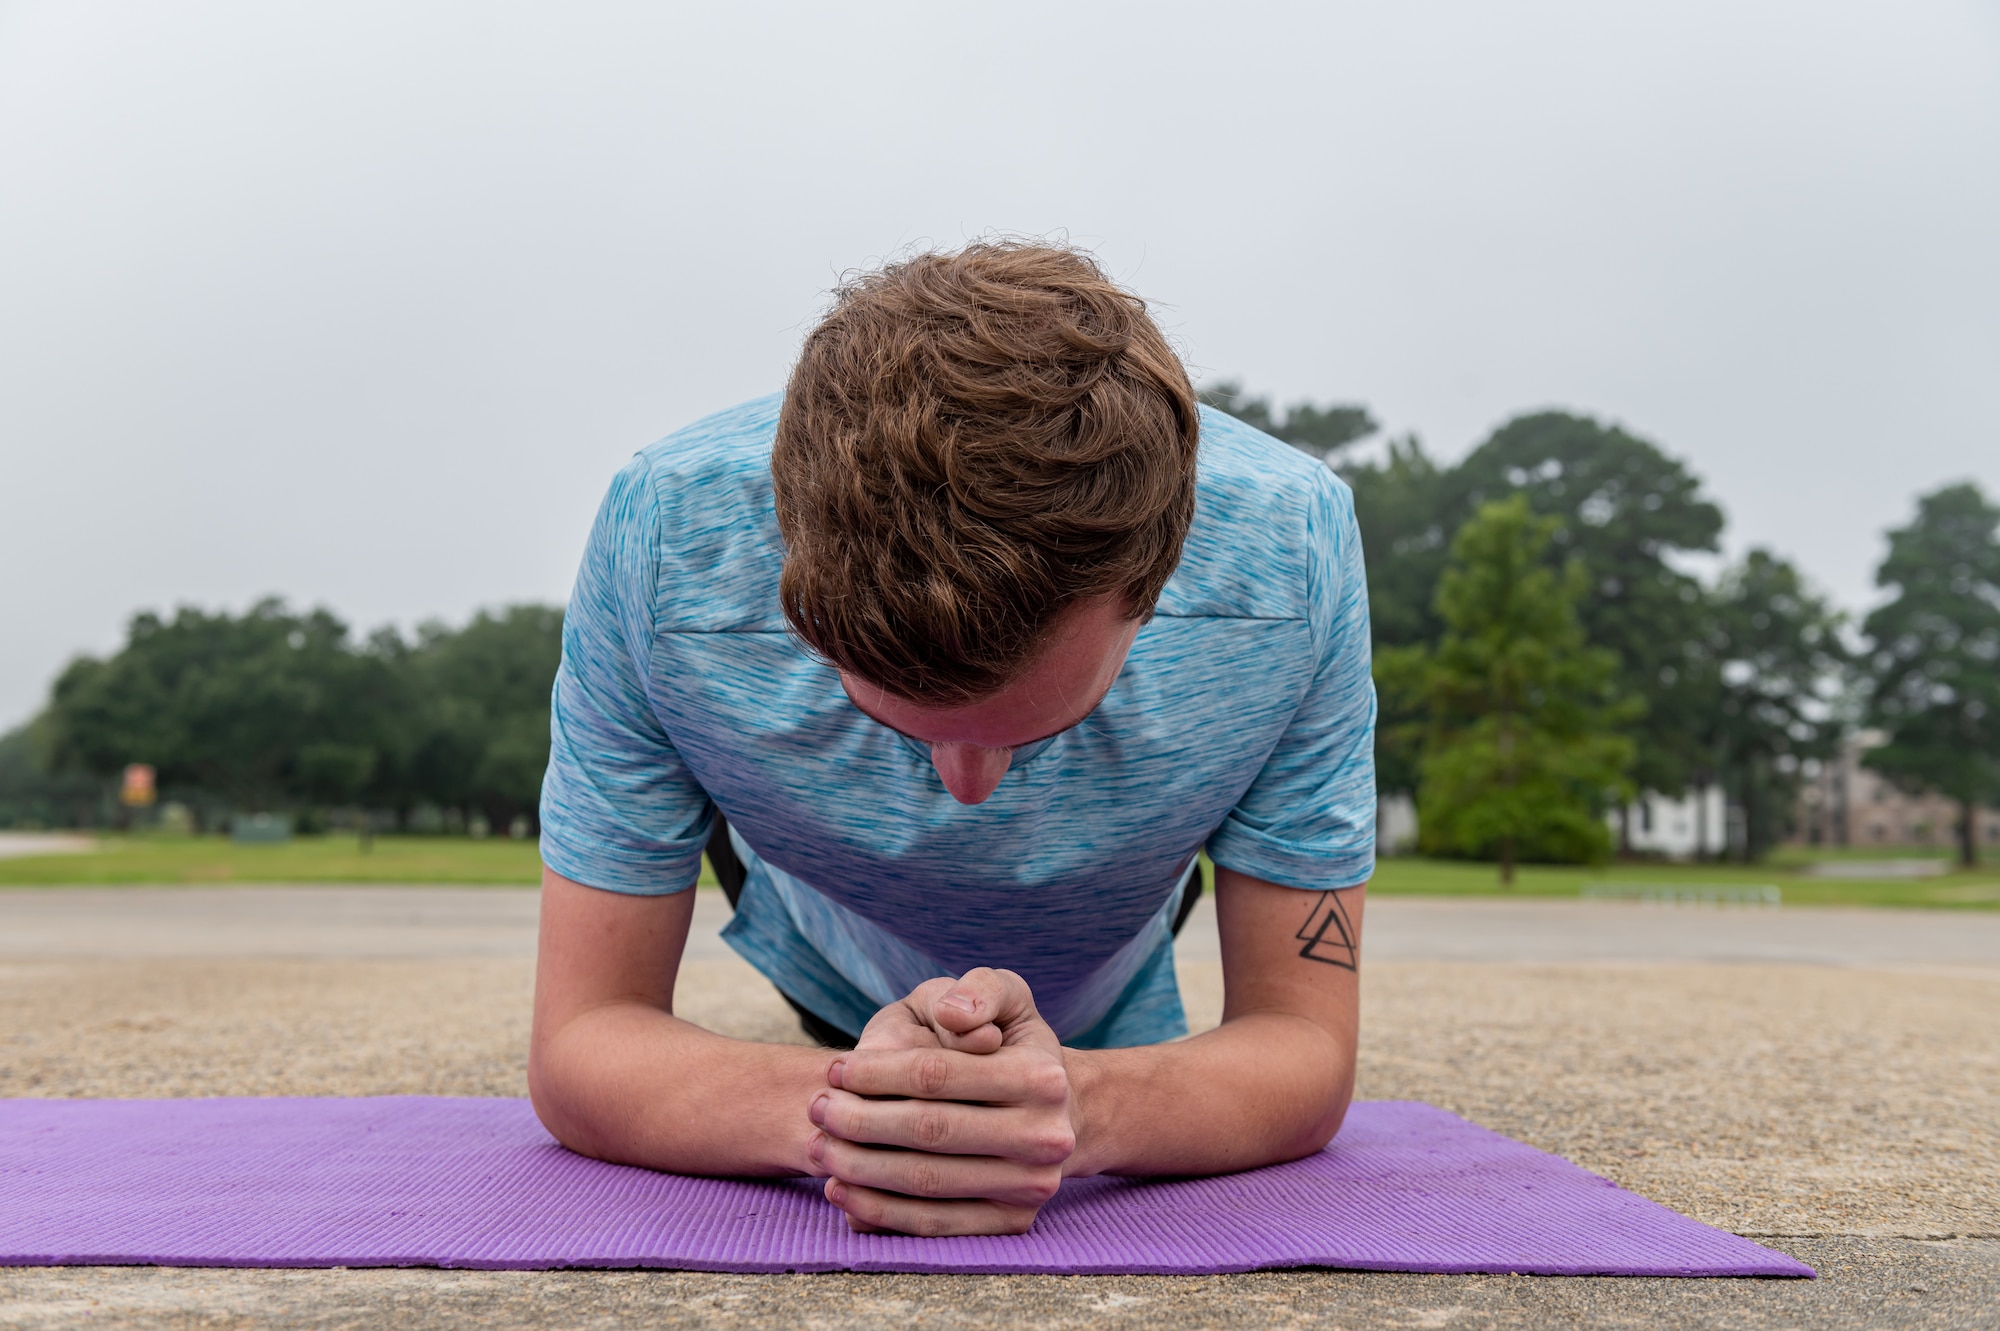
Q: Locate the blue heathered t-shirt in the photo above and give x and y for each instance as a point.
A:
(1243, 720)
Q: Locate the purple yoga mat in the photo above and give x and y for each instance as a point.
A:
(413, 1181)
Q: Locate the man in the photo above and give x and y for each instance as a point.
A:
(975, 638)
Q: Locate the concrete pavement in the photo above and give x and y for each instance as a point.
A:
(385, 922)
(14, 845)
(1827, 1079)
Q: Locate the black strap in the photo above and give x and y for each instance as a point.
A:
(1192, 895)
(729, 870)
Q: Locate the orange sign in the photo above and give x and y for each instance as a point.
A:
(138, 791)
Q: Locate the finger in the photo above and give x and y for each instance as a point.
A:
(942, 1177)
(907, 1024)
(870, 1211)
(945, 1127)
(1016, 1076)
(981, 997)
(896, 1022)
(903, 1031)
(981, 1039)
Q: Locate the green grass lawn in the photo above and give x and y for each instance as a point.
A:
(410, 859)
(1977, 889)
(313, 859)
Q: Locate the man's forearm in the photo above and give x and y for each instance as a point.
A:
(1262, 1088)
(629, 1083)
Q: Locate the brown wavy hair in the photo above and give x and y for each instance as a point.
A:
(970, 444)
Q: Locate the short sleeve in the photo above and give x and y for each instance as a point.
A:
(619, 809)
(1308, 820)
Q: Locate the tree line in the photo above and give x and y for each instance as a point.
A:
(275, 710)
(1543, 652)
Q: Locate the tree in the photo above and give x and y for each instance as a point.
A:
(1623, 509)
(484, 690)
(278, 710)
(1320, 431)
(1774, 660)
(1397, 504)
(257, 708)
(1935, 655)
(1522, 746)
(1400, 503)
(33, 796)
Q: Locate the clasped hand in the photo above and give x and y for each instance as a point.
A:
(951, 1115)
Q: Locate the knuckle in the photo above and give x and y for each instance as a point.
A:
(1053, 1146)
(931, 1129)
(1043, 1185)
(1016, 1219)
(933, 1074)
(926, 1180)
(1048, 1081)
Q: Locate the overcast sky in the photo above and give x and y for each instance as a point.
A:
(362, 304)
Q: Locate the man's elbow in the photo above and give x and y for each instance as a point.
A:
(1323, 1103)
(559, 1098)
(1326, 1126)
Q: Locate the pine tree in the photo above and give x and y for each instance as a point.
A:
(1936, 655)
(1522, 750)
(1625, 508)
(1772, 660)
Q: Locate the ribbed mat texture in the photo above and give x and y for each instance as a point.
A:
(414, 1181)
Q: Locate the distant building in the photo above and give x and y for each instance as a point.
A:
(1680, 827)
(1840, 803)
(1846, 804)
(1395, 824)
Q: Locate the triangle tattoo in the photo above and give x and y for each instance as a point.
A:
(1328, 935)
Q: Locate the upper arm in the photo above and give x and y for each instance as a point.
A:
(1289, 951)
(598, 948)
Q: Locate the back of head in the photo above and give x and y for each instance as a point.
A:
(970, 444)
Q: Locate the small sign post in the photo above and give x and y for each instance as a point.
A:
(138, 791)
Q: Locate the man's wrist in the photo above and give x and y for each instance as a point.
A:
(801, 1139)
(1089, 1110)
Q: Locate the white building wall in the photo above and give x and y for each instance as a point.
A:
(1395, 825)
(1679, 827)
